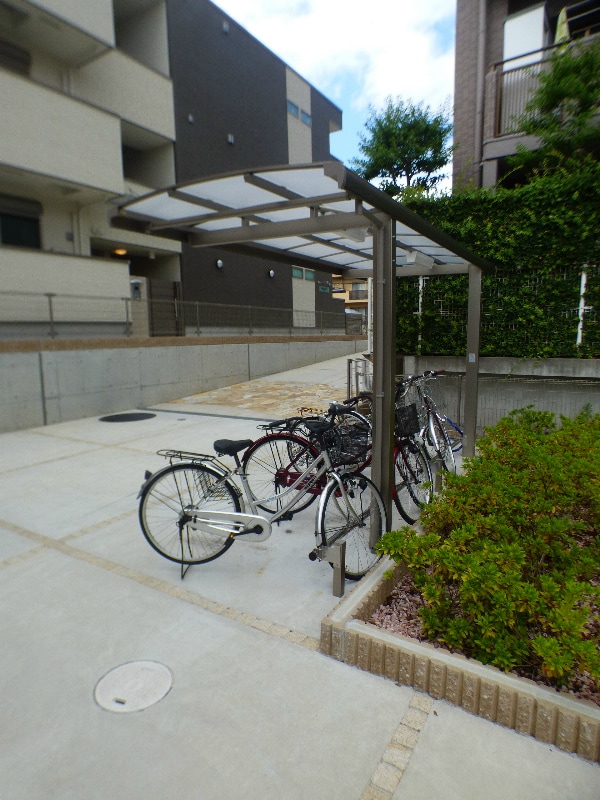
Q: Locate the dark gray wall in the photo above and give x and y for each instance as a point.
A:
(230, 84)
(226, 83)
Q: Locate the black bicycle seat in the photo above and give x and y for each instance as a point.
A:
(229, 447)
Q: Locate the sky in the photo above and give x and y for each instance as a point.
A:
(359, 53)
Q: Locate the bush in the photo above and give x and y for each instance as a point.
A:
(508, 561)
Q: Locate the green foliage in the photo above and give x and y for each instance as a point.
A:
(405, 147)
(563, 113)
(539, 236)
(508, 564)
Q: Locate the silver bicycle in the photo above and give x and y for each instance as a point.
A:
(194, 509)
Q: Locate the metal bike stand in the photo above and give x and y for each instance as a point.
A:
(335, 554)
(436, 469)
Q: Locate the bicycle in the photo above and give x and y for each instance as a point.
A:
(192, 510)
(277, 458)
(432, 433)
(413, 479)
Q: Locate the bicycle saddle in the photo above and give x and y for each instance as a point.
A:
(229, 447)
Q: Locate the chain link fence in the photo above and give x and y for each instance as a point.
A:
(30, 315)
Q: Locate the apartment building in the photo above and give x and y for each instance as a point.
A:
(91, 122)
(238, 106)
(501, 46)
(112, 99)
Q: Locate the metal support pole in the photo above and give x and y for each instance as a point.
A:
(50, 295)
(384, 339)
(472, 366)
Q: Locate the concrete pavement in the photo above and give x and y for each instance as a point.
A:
(251, 709)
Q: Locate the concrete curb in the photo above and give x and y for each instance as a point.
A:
(571, 724)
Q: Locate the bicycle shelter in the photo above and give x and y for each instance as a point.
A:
(324, 216)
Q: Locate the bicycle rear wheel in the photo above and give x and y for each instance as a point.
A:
(272, 464)
(168, 505)
(350, 512)
(413, 480)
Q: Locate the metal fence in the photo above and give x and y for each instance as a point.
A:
(27, 315)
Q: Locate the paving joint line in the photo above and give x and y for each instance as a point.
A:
(396, 757)
(179, 592)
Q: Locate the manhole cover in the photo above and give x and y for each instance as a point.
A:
(131, 416)
(133, 686)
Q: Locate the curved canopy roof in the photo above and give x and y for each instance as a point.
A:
(314, 212)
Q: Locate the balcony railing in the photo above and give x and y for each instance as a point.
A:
(29, 315)
(516, 82)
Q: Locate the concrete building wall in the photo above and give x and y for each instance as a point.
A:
(68, 381)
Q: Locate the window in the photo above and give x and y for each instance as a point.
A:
(309, 274)
(19, 222)
(293, 109)
(297, 272)
(306, 118)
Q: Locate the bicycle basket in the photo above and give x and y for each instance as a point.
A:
(347, 443)
(407, 420)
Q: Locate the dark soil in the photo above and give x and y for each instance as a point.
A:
(400, 615)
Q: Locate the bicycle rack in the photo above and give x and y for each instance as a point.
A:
(335, 554)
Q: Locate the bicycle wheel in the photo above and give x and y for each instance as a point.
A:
(413, 480)
(169, 501)
(441, 443)
(350, 514)
(272, 464)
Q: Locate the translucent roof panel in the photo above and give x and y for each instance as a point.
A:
(320, 211)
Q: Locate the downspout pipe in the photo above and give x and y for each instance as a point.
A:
(480, 89)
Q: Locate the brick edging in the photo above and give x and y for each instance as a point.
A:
(573, 725)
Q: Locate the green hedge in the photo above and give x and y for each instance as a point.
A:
(539, 237)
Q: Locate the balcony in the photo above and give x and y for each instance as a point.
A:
(71, 32)
(509, 89)
(142, 97)
(48, 133)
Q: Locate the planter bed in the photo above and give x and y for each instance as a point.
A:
(573, 725)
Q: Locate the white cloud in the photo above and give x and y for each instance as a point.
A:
(359, 53)
(382, 47)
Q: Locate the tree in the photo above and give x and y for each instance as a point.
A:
(406, 147)
(563, 113)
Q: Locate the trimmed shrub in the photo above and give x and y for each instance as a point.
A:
(508, 564)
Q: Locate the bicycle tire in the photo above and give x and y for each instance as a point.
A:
(337, 521)
(442, 444)
(272, 464)
(413, 480)
(173, 493)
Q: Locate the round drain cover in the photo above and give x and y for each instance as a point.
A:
(130, 416)
(133, 686)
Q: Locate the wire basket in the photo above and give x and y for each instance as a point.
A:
(347, 443)
(407, 420)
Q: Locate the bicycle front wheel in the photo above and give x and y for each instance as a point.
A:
(170, 502)
(441, 444)
(273, 464)
(353, 511)
(413, 481)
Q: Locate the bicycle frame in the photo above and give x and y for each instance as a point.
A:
(255, 526)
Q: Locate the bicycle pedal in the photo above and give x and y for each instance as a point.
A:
(286, 517)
